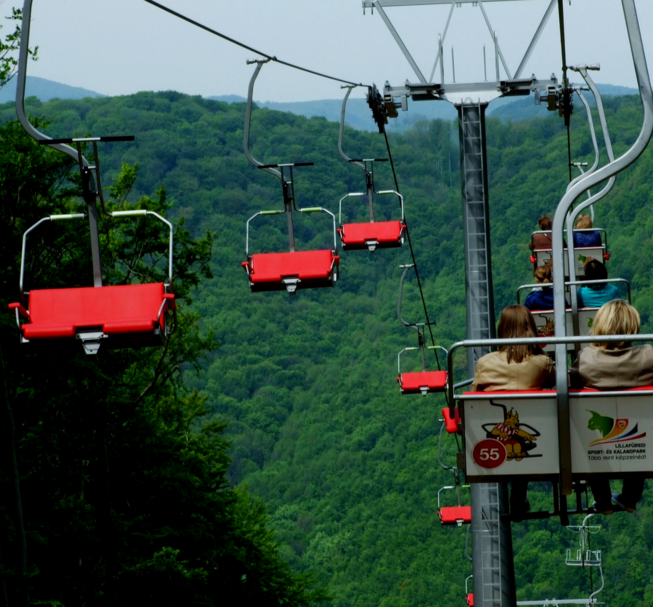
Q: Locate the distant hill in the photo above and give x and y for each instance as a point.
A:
(358, 112)
(359, 115)
(45, 90)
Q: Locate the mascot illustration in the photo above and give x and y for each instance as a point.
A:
(512, 436)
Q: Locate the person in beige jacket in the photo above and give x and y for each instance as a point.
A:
(515, 367)
(518, 367)
(610, 366)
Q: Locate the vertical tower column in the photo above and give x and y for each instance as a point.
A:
(493, 567)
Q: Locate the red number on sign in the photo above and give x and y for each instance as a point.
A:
(489, 453)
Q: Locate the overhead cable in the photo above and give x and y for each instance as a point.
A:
(245, 46)
(566, 98)
(412, 253)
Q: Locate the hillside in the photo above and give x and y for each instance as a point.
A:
(348, 467)
(45, 90)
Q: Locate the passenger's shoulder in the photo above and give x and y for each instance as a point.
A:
(544, 361)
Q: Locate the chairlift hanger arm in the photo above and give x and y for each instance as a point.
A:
(559, 219)
(341, 133)
(248, 121)
(21, 76)
(571, 219)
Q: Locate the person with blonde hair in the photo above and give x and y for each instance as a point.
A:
(515, 367)
(615, 366)
(586, 239)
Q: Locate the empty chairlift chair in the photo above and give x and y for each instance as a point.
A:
(419, 382)
(454, 515)
(288, 270)
(121, 315)
(370, 234)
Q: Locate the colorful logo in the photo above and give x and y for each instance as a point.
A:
(611, 430)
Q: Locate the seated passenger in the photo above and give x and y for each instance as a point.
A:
(586, 239)
(614, 366)
(523, 367)
(594, 296)
(541, 298)
(542, 241)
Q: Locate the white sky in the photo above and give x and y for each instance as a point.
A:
(123, 46)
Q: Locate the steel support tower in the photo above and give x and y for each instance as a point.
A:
(493, 570)
(493, 567)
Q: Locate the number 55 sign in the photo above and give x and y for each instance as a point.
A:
(489, 453)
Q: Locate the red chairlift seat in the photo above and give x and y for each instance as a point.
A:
(423, 382)
(469, 599)
(455, 515)
(291, 270)
(376, 235)
(119, 314)
(452, 424)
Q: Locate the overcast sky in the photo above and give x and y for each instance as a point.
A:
(118, 47)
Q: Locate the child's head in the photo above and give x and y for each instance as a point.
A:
(545, 223)
(584, 222)
(543, 274)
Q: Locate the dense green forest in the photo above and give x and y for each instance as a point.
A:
(306, 384)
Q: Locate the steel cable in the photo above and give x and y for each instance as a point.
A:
(247, 47)
(412, 253)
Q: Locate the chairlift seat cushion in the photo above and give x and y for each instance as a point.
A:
(433, 381)
(114, 310)
(383, 232)
(451, 515)
(305, 265)
(470, 599)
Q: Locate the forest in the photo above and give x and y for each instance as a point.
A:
(279, 440)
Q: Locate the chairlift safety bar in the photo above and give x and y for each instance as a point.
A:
(417, 348)
(109, 139)
(578, 283)
(83, 216)
(362, 194)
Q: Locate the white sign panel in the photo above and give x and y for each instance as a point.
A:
(511, 436)
(612, 434)
(519, 437)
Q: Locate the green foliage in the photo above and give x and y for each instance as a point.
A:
(125, 498)
(9, 47)
(348, 467)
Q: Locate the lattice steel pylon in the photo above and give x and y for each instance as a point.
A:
(493, 567)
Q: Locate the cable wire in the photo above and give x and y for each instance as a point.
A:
(245, 46)
(566, 99)
(412, 252)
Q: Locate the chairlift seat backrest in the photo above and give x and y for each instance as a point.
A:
(455, 515)
(542, 257)
(113, 310)
(469, 599)
(304, 269)
(423, 382)
(545, 326)
(380, 234)
(452, 424)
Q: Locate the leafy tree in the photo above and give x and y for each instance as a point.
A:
(8, 49)
(123, 499)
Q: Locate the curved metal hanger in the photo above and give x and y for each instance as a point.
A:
(559, 220)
